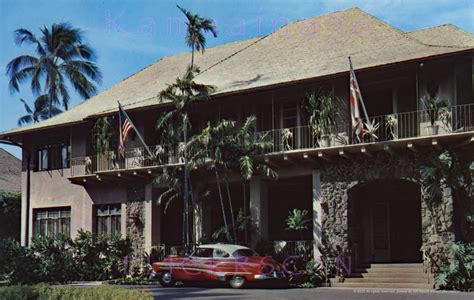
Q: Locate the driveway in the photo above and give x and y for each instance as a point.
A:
(302, 294)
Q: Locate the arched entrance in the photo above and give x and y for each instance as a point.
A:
(386, 221)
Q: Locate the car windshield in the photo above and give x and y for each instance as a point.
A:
(244, 252)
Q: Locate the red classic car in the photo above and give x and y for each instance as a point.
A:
(218, 262)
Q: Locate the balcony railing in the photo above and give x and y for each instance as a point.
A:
(455, 119)
(135, 158)
(396, 126)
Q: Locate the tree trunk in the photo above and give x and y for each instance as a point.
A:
(245, 213)
(234, 230)
(186, 191)
(51, 93)
(192, 56)
(222, 204)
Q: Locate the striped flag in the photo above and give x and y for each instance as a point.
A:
(355, 101)
(125, 127)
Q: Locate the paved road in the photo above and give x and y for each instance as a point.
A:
(302, 294)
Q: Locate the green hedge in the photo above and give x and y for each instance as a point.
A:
(62, 260)
(10, 215)
(47, 292)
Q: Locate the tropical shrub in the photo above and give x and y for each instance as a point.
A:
(44, 291)
(10, 215)
(298, 221)
(456, 267)
(61, 259)
(17, 263)
(100, 258)
(54, 259)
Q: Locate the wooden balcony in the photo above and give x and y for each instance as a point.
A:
(408, 130)
(137, 164)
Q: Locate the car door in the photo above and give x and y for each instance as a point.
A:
(199, 264)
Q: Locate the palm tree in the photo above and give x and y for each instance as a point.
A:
(298, 220)
(227, 147)
(39, 112)
(196, 27)
(173, 126)
(60, 58)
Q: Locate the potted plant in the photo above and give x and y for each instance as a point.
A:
(433, 106)
(370, 130)
(286, 136)
(323, 116)
(433, 110)
(392, 126)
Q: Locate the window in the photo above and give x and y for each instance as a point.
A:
(289, 115)
(54, 157)
(203, 252)
(244, 253)
(218, 253)
(108, 219)
(43, 159)
(65, 156)
(52, 221)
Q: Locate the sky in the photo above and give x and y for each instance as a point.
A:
(128, 35)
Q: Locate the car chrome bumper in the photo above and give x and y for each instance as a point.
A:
(274, 275)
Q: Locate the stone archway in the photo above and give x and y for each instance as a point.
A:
(385, 218)
(340, 176)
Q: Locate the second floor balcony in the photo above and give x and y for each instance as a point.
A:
(409, 128)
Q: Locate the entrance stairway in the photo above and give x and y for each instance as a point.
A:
(378, 275)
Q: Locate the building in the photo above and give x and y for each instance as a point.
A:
(10, 172)
(365, 195)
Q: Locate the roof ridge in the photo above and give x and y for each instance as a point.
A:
(235, 53)
(430, 27)
(406, 36)
(219, 62)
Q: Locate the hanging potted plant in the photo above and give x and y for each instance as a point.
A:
(323, 116)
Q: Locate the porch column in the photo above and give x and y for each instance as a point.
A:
(152, 217)
(317, 211)
(259, 208)
(148, 216)
(198, 220)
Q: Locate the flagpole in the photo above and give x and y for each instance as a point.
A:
(360, 93)
(138, 133)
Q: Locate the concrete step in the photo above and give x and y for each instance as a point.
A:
(389, 270)
(382, 285)
(388, 279)
(388, 275)
(395, 265)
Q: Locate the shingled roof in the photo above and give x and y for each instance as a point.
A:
(444, 35)
(305, 49)
(10, 172)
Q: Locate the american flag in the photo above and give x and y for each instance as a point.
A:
(356, 100)
(125, 127)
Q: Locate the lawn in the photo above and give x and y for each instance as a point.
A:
(50, 292)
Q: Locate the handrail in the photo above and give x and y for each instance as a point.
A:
(458, 118)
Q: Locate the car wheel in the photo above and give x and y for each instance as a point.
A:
(166, 279)
(237, 282)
